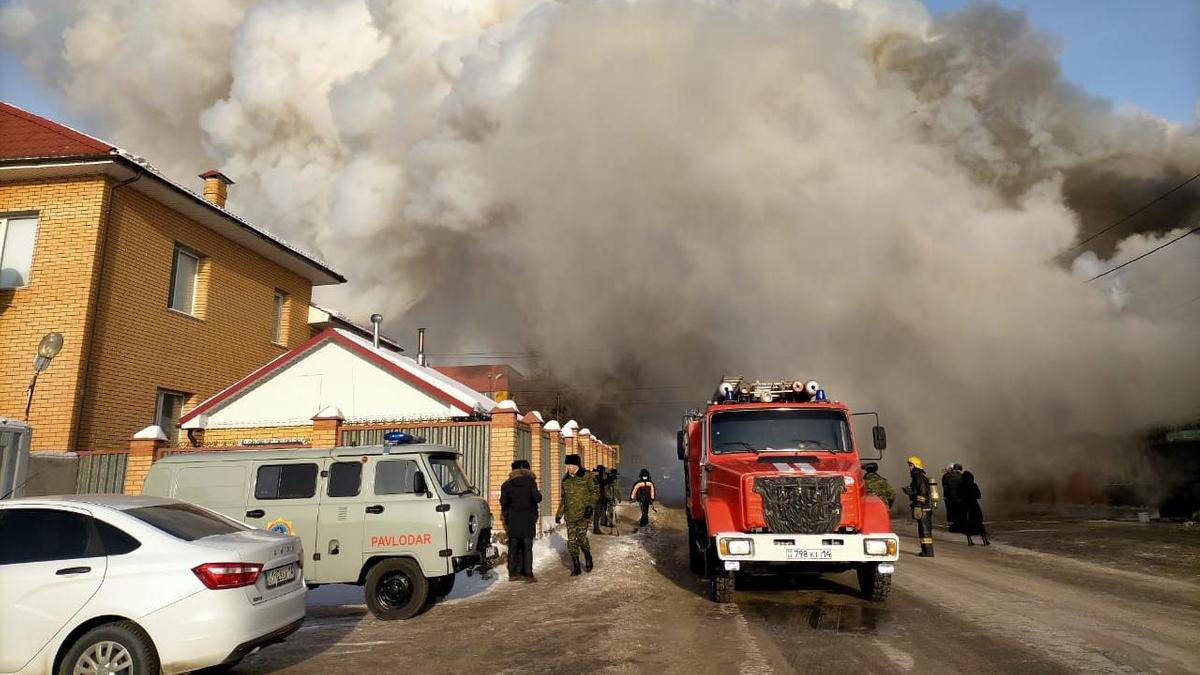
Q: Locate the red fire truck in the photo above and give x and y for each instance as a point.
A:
(774, 487)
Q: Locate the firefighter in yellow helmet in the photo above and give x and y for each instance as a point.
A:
(920, 498)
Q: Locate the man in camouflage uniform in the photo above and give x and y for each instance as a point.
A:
(577, 504)
(877, 485)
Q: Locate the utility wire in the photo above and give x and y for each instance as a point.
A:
(1154, 201)
(1156, 249)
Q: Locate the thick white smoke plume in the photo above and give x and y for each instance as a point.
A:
(659, 192)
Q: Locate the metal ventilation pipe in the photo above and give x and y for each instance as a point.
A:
(420, 346)
(376, 319)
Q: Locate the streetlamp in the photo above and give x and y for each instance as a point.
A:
(48, 348)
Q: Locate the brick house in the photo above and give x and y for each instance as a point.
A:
(162, 296)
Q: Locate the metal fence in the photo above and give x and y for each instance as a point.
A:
(101, 472)
(524, 444)
(548, 466)
(471, 438)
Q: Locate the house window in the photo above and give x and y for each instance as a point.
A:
(168, 410)
(16, 250)
(280, 317)
(185, 268)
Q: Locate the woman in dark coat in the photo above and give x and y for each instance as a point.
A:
(519, 499)
(968, 493)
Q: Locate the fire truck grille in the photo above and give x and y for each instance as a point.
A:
(801, 504)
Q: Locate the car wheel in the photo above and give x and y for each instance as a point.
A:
(396, 589)
(118, 648)
(442, 586)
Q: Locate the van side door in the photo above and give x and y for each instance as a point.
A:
(402, 520)
(284, 499)
(337, 555)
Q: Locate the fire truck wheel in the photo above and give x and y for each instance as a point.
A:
(721, 587)
(695, 555)
(874, 586)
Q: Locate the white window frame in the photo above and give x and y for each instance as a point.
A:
(4, 234)
(280, 310)
(178, 251)
(159, 398)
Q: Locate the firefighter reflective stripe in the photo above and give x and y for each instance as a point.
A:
(926, 540)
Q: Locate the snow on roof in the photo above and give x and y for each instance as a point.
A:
(537, 416)
(571, 425)
(470, 398)
(552, 425)
(508, 404)
(585, 432)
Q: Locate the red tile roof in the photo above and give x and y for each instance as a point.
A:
(24, 134)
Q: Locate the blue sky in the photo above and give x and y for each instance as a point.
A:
(1144, 53)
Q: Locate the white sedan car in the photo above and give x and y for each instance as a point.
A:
(110, 584)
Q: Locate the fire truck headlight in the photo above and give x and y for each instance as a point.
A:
(737, 547)
(879, 546)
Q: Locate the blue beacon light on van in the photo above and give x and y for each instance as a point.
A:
(821, 395)
(399, 438)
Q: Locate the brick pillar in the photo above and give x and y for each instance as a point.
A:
(534, 420)
(142, 449)
(551, 484)
(502, 450)
(583, 441)
(327, 428)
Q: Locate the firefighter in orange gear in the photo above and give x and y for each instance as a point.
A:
(921, 501)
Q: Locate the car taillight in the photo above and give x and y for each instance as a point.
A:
(227, 575)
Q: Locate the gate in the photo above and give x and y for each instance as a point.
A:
(472, 438)
(102, 472)
(524, 444)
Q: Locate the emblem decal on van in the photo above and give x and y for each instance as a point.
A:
(281, 526)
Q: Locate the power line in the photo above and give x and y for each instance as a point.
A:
(1147, 253)
(1154, 201)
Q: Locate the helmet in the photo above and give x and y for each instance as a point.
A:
(915, 461)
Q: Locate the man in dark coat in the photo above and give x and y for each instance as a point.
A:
(972, 513)
(919, 499)
(519, 499)
(604, 483)
(951, 478)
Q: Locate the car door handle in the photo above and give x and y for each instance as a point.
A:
(256, 513)
(375, 509)
(73, 570)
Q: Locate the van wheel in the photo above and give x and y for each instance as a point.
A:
(442, 586)
(120, 647)
(396, 589)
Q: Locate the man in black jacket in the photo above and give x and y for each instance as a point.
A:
(519, 499)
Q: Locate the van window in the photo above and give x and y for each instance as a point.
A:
(286, 481)
(213, 486)
(395, 476)
(345, 479)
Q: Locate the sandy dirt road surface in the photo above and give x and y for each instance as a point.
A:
(1003, 608)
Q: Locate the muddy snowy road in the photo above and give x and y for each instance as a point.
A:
(997, 609)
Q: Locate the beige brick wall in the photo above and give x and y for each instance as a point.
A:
(138, 344)
(56, 299)
(141, 345)
(217, 438)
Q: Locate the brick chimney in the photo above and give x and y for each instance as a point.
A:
(216, 187)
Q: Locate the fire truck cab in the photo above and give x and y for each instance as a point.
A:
(774, 487)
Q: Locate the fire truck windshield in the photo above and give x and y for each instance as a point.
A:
(779, 429)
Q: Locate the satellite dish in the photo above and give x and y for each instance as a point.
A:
(50, 345)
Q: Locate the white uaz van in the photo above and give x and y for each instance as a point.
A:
(400, 520)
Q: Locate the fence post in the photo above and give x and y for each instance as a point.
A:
(502, 450)
(551, 482)
(534, 420)
(584, 442)
(327, 428)
(144, 445)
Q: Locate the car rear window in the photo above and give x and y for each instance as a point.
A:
(184, 521)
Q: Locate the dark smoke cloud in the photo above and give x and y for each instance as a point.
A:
(661, 192)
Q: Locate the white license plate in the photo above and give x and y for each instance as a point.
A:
(733, 565)
(810, 554)
(280, 575)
